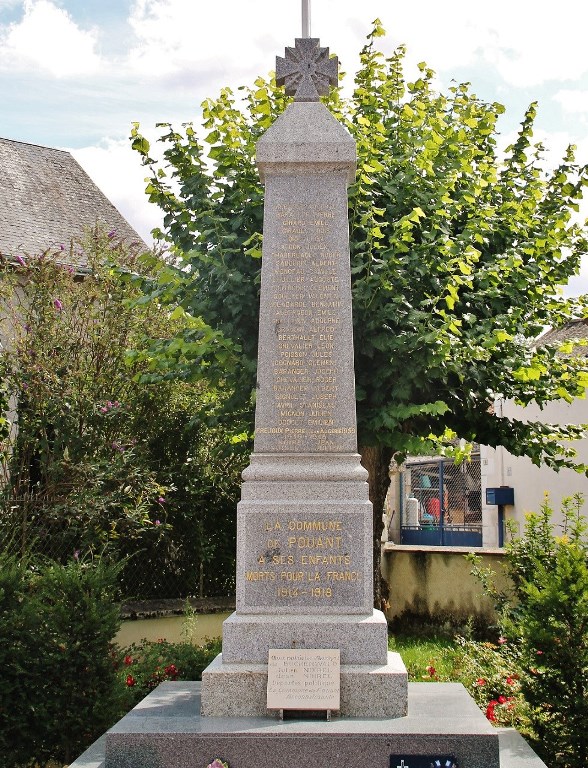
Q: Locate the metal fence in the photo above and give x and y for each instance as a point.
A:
(175, 564)
(441, 503)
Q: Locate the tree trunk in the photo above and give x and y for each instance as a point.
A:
(376, 459)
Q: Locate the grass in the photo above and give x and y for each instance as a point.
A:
(428, 658)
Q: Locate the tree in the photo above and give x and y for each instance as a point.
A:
(457, 258)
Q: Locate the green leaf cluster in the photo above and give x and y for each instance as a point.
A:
(544, 620)
(458, 255)
(59, 687)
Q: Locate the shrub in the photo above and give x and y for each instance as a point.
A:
(59, 689)
(103, 460)
(545, 620)
(141, 667)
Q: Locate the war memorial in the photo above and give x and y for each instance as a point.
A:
(305, 677)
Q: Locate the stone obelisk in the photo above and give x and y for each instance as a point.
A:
(304, 523)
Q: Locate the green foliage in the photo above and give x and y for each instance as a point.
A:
(457, 257)
(103, 460)
(427, 659)
(59, 689)
(143, 666)
(546, 622)
(490, 672)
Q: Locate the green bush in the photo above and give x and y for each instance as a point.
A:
(103, 460)
(141, 667)
(59, 687)
(544, 621)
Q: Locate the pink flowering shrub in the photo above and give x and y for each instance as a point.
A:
(107, 461)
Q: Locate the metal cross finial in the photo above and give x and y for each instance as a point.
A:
(306, 70)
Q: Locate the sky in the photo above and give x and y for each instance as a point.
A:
(75, 74)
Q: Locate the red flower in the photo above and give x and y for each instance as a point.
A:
(431, 671)
(501, 699)
(480, 681)
(490, 710)
(511, 679)
(130, 681)
(128, 660)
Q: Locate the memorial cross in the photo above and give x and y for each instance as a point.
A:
(306, 70)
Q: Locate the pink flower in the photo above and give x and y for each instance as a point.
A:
(157, 522)
(58, 305)
(502, 640)
(112, 233)
(216, 763)
(21, 261)
(161, 500)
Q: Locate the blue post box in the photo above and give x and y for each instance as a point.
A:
(500, 496)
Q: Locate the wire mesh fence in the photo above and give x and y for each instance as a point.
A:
(163, 564)
(441, 503)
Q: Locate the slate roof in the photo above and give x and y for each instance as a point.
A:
(47, 199)
(571, 331)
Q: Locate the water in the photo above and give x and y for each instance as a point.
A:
(201, 626)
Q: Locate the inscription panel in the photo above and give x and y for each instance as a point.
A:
(304, 679)
(307, 562)
(306, 386)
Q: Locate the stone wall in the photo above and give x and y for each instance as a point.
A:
(434, 586)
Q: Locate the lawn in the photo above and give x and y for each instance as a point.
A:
(428, 658)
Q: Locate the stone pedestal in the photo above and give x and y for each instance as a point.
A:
(304, 522)
(165, 731)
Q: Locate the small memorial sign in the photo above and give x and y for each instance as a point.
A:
(304, 679)
(423, 761)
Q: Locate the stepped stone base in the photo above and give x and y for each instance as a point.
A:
(361, 639)
(165, 731)
(239, 690)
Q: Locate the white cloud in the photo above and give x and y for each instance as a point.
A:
(175, 35)
(48, 39)
(573, 101)
(116, 169)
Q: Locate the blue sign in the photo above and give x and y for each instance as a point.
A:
(422, 761)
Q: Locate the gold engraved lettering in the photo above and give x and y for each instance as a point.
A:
(325, 560)
(260, 576)
(282, 560)
(315, 542)
(342, 575)
(314, 525)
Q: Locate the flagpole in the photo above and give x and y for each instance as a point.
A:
(305, 18)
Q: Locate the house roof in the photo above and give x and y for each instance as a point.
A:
(47, 199)
(574, 330)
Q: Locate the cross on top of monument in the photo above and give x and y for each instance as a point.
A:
(306, 70)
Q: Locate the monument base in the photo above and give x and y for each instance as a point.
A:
(239, 690)
(373, 681)
(166, 731)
